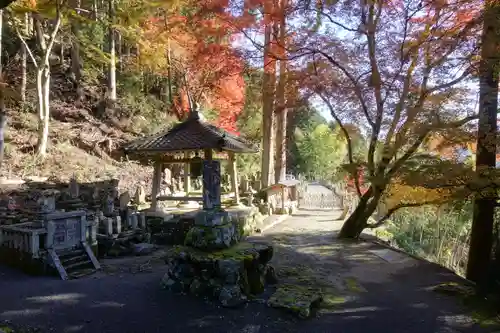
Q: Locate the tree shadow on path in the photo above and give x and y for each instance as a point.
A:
(373, 296)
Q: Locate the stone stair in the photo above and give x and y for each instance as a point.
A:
(74, 263)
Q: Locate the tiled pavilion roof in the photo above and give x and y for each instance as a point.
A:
(192, 134)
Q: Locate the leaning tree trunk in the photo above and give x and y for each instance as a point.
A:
(358, 220)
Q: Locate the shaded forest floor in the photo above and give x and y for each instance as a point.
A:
(368, 288)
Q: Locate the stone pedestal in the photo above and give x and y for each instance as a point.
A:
(228, 276)
(213, 230)
(214, 263)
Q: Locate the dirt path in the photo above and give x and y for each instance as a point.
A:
(368, 293)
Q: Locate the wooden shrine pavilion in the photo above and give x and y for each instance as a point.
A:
(190, 143)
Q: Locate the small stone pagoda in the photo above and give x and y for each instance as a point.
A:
(214, 261)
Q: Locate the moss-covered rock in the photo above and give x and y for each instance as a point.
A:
(300, 300)
(229, 275)
(212, 237)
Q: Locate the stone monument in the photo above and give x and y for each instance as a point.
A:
(213, 261)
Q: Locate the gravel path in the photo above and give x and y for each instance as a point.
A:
(387, 297)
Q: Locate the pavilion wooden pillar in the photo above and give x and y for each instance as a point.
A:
(187, 175)
(234, 177)
(156, 184)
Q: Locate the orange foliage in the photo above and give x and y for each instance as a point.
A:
(200, 41)
(398, 194)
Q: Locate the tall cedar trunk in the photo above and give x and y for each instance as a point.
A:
(112, 55)
(268, 84)
(3, 116)
(76, 61)
(24, 60)
(358, 220)
(281, 110)
(484, 204)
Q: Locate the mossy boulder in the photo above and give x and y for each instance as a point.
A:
(300, 300)
(229, 275)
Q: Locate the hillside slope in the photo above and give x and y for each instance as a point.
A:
(80, 145)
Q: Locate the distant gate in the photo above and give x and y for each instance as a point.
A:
(315, 200)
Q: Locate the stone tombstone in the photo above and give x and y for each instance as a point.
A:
(46, 203)
(167, 176)
(244, 184)
(65, 230)
(108, 205)
(96, 194)
(12, 203)
(180, 184)
(250, 198)
(74, 188)
(198, 183)
(124, 200)
(211, 185)
(140, 195)
(173, 186)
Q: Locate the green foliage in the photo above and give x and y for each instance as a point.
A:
(324, 151)
(439, 234)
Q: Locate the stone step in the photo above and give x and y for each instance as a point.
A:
(82, 273)
(74, 259)
(75, 263)
(78, 266)
(65, 254)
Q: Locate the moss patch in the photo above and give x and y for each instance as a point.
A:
(240, 251)
(353, 285)
(483, 311)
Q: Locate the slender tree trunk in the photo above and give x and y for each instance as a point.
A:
(119, 50)
(268, 84)
(76, 61)
(43, 75)
(281, 109)
(112, 54)
(24, 60)
(44, 96)
(481, 241)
